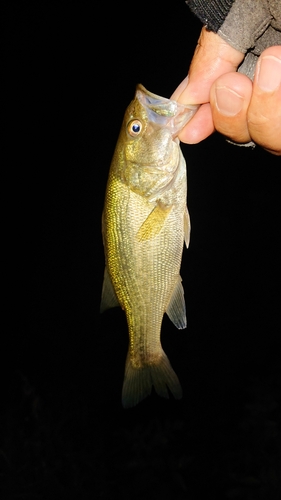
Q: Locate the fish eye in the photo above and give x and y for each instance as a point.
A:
(134, 128)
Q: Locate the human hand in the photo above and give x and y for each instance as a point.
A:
(231, 103)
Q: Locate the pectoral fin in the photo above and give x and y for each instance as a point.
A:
(154, 222)
(186, 227)
(108, 295)
(176, 308)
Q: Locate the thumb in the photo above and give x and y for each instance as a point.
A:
(212, 58)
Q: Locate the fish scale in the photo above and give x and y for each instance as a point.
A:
(145, 222)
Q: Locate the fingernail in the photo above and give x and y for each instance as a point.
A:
(269, 73)
(229, 103)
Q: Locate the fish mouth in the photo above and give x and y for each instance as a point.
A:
(165, 112)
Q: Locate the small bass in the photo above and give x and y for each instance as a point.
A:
(144, 225)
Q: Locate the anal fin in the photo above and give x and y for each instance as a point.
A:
(176, 308)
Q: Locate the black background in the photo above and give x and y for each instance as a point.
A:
(69, 70)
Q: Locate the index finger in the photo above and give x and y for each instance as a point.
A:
(212, 58)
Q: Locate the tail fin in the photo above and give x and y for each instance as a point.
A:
(138, 382)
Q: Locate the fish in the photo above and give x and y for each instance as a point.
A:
(145, 223)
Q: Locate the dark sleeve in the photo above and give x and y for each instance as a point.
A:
(249, 26)
(211, 13)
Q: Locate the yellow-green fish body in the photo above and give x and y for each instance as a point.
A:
(145, 222)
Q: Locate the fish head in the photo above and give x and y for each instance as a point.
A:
(150, 144)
